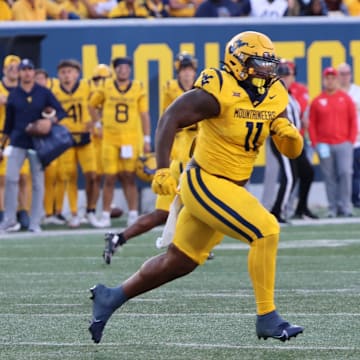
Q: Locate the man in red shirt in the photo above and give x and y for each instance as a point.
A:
(332, 131)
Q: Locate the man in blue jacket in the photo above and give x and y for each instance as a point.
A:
(25, 105)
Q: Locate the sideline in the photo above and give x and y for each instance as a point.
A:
(88, 231)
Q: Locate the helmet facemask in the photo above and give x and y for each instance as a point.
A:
(261, 71)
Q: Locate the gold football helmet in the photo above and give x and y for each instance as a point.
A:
(146, 167)
(102, 71)
(251, 53)
(185, 59)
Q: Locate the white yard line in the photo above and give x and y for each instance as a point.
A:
(183, 345)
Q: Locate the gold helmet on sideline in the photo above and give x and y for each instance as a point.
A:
(251, 53)
(146, 167)
(102, 71)
(185, 59)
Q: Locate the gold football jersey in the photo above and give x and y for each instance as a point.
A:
(3, 91)
(227, 145)
(51, 83)
(75, 103)
(185, 137)
(121, 110)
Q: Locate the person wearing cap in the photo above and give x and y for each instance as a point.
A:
(353, 90)
(7, 84)
(25, 105)
(333, 130)
(125, 125)
(73, 93)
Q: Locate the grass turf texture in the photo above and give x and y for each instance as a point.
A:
(45, 306)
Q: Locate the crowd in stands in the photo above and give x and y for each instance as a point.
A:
(39, 10)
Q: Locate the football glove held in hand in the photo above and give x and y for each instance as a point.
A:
(283, 127)
(163, 182)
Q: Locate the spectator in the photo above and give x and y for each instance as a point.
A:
(103, 7)
(346, 84)
(218, 8)
(82, 9)
(333, 131)
(25, 105)
(267, 8)
(336, 8)
(5, 11)
(353, 7)
(293, 8)
(37, 10)
(156, 8)
(183, 8)
(313, 8)
(128, 9)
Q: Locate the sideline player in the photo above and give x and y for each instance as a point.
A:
(236, 109)
(100, 74)
(73, 94)
(54, 186)
(125, 116)
(185, 66)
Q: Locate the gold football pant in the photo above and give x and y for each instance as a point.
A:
(214, 207)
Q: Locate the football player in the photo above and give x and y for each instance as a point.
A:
(73, 94)
(125, 120)
(100, 74)
(8, 82)
(237, 108)
(185, 66)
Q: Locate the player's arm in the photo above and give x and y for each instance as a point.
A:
(54, 103)
(145, 121)
(96, 100)
(286, 136)
(191, 107)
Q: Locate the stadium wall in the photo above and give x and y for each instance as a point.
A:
(312, 43)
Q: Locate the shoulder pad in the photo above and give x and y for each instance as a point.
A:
(210, 80)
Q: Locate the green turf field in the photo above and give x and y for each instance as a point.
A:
(45, 306)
